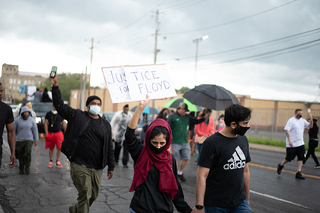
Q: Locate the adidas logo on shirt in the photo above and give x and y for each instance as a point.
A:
(237, 161)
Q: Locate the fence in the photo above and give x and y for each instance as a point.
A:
(270, 123)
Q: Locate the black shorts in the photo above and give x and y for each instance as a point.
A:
(292, 152)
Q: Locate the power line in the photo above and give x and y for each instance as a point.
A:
(233, 21)
(183, 5)
(309, 32)
(268, 54)
(127, 25)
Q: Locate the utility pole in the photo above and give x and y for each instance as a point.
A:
(155, 44)
(156, 38)
(90, 66)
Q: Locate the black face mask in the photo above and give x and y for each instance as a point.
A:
(156, 150)
(299, 116)
(240, 130)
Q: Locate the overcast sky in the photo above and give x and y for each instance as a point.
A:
(265, 49)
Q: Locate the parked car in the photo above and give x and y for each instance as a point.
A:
(13, 107)
(41, 109)
(107, 115)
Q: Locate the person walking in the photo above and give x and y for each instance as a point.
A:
(179, 122)
(313, 142)
(155, 180)
(163, 114)
(88, 146)
(219, 124)
(223, 176)
(204, 129)
(294, 141)
(26, 131)
(119, 124)
(53, 126)
(6, 119)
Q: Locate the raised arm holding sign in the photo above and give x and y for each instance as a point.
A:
(132, 83)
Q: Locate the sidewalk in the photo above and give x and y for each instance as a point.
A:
(272, 148)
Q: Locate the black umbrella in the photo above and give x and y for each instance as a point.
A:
(211, 96)
(147, 110)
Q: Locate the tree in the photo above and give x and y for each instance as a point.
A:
(183, 89)
(67, 82)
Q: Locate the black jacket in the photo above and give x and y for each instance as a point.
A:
(78, 121)
(147, 198)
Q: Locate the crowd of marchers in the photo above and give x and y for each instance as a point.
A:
(160, 154)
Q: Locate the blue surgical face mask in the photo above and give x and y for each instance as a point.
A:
(94, 109)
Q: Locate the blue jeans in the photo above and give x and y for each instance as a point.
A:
(199, 146)
(243, 207)
(131, 211)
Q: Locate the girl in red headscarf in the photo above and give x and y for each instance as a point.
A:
(155, 180)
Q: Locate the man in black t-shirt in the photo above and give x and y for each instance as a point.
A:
(53, 126)
(6, 118)
(88, 146)
(223, 177)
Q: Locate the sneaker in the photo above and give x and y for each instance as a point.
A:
(27, 171)
(50, 164)
(58, 164)
(181, 177)
(21, 171)
(317, 166)
(299, 176)
(279, 169)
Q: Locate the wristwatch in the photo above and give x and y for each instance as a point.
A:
(199, 207)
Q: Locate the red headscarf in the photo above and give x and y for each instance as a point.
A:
(162, 162)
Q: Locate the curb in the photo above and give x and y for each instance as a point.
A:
(272, 148)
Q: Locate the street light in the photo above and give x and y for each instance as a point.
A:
(197, 41)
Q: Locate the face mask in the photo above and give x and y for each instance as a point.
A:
(299, 116)
(94, 109)
(240, 130)
(165, 114)
(25, 118)
(54, 111)
(221, 120)
(314, 121)
(156, 150)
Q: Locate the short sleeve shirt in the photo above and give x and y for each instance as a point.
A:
(226, 159)
(296, 128)
(54, 122)
(6, 117)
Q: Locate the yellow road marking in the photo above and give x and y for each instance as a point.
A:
(275, 169)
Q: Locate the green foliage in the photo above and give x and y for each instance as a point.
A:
(183, 89)
(67, 82)
(274, 142)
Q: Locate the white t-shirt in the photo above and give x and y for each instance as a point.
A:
(296, 128)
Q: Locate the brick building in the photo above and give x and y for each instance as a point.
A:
(11, 79)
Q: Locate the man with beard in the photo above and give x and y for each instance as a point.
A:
(223, 177)
(294, 141)
(88, 146)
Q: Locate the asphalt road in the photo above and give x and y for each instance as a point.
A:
(51, 189)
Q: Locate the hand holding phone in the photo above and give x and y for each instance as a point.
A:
(53, 72)
(309, 110)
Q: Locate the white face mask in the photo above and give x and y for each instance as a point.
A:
(54, 111)
(94, 109)
(221, 120)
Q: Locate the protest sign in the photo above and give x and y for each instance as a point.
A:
(132, 83)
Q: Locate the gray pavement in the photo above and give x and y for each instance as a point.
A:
(51, 190)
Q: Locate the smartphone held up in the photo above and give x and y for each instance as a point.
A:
(53, 72)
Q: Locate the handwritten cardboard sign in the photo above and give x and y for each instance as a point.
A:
(132, 83)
